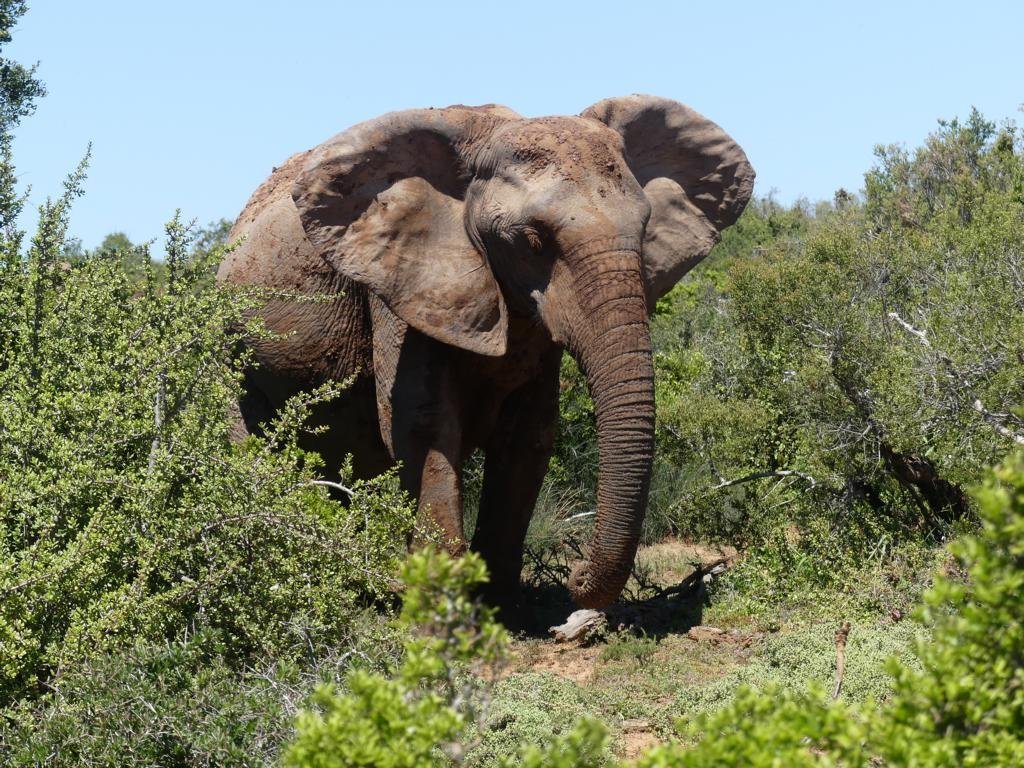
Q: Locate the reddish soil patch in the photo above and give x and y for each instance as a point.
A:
(636, 739)
(567, 660)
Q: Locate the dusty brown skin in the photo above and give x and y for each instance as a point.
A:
(471, 247)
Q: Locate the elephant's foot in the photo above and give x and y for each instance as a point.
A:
(504, 592)
(439, 514)
(509, 605)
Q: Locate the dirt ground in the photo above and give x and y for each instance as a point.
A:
(642, 637)
(676, 646)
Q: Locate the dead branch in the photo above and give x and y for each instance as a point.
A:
(580, 516)
(336, 486)
(703, 573)
(779, 473)
(922, 336)
(995, 422)
(579, 624)
(841, 635)
(543, 571)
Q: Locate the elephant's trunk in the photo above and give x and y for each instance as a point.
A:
(610, 339)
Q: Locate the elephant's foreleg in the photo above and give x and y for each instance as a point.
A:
(421, 419)
(517, 456)
(440, 500)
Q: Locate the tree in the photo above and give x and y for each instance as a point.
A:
(19, 88)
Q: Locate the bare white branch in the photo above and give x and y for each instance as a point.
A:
(579, 624)
(580, 516)
(921, 335)
(780, 473)
(996, 423)
(336, 486)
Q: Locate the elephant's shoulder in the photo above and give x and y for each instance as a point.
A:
(276, 188)
(273, 250)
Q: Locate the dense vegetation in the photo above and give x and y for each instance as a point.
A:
(964, 705)
(833, 386)
(844, 384)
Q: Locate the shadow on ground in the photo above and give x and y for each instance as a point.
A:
(548, 605)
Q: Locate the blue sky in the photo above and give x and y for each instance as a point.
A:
(190, 104)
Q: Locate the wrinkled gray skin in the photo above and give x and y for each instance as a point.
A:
(466, 247)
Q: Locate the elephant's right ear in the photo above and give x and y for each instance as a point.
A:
(383, 202)
(696, 178)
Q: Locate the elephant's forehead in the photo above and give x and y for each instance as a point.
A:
(574, 146)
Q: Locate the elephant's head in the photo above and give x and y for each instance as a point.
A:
(458, 217)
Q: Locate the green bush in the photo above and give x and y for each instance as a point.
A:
(176, 703)
(965, 706)
(125, 512)
(142, 555)
(414, 717)
(766, 729)
(183, 702)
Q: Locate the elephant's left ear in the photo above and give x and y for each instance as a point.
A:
(697, 179)
(384, 202)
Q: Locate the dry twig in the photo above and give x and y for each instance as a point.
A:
(841, 635)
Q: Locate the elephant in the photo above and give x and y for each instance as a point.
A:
(462, 249)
